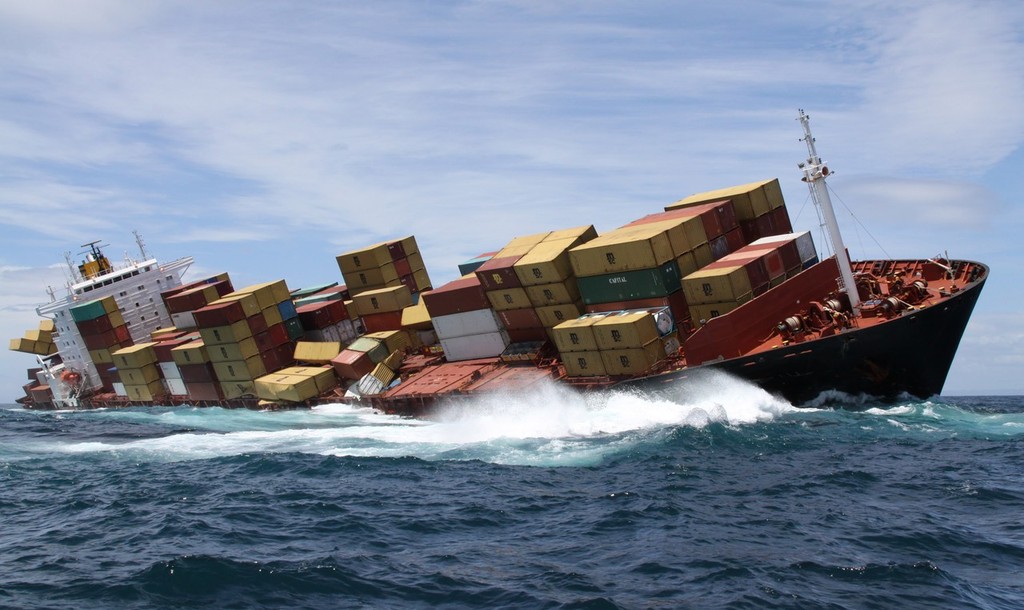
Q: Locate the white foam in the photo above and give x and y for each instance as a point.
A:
(549, 425)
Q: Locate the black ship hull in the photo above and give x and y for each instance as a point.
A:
(908, 355)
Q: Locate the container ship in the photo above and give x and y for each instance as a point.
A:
(715, 281)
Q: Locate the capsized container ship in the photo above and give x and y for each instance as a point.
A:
(717, 280)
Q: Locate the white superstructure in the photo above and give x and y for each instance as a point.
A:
(135, 286)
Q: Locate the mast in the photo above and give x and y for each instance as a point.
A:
(815, 171)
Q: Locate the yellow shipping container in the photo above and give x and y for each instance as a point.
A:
(226, 352)
(702, 313)
(371, 257)
(561, 293)
(510, 298)
(575, 335)
(267, 294)
(626, 249)
(238, 388)
(145, 392)
(109, 305)
(239, 370)
(316, 351)
(683, 233)
(687, 263)
(717, 285)
(422, 279)
(703, 255)
(394, 360)
(416, 317)
(583, 364)
(553, 315)
(47, 325)
(625, 330)
(382, 300)
(546, 263)
(26, 346)
(101, 356)
(368, 279)
(291, 388)
(193, 352)
(383, 374)
(750, 200)
(234, 333)
(633, 361)
(249, 301)
(134, 356)
(583, 234)
(116, 319)
(139, 376)
(521, 245)
(393, 340)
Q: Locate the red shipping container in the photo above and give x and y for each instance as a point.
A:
(101, 341)
(197, 373)
(96, 326)
(350, 364)
(464, 294)
(122, 336)
(402, 266)
(379, 322)
(780, 219)
(719, 247)
(409, 281)
(498, 274)
(518, 319)
(736, 239)
(221, 314)
(257, 323)
(750, 230)
(204, 391)
(163, 348)
(271, 360)
(718, 217)
(396, 250)
(316, 316)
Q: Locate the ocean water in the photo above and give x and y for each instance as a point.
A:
(723, 498)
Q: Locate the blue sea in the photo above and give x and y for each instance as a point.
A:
(725, 497)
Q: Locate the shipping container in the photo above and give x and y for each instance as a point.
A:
(633, 361)
(518, 319)
(474, 263)
(226, 334)
(383, 300)
(352, 364)
(226, 352)
(193, 352)
(547, 263)
(629, 285)
(576, 335)
(476, 322)
(624, 249)
(135, 356)
(562, 293)
(626, 329)
(464, 294)
(583, 364)
(511, 298)
(749, 200)
(475, 346)
(721, 284)
(393, 340)
(582, 234)
(145, 392)
(499, 273)
(553, 315)
(139, 376)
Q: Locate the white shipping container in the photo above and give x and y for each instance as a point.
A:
(176, 387)
(475, 346)
(464, 324)
(804, 243)
(119, 389)
(170, 370)
(184, 320)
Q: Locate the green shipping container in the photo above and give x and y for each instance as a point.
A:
(294, 328)
(630, 285)
(88, 311)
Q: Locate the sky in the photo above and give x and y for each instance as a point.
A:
(266, 138)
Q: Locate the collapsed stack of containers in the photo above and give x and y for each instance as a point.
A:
(747, 273)
(247, 334)
(385, 265)
(631, 342)
(183, 300)
(141, 379)
(760, 207)
(103, 331)
(324, 315)
(196, 371)
(312, 376)
(37, 341)
(550, 285)
(165, 340)
(463, 320)
(638, 265)
(380, 309)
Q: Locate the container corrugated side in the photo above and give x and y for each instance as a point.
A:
(625, 249)
(476, 322)
(470, 347)
(625, 330)
(629, 285)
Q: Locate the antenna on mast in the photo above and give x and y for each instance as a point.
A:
(815, 171)
(142, 244)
